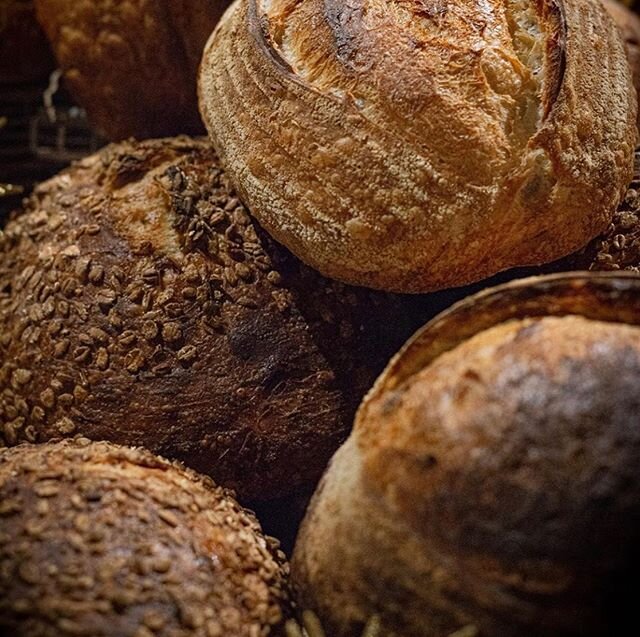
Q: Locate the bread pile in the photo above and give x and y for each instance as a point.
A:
(228, 303)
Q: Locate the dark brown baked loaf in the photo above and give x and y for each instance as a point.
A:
(25, 55)
(139, 303)
(132, 64)
(491, 485)
(105, 541)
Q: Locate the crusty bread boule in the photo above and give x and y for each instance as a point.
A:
(412, 146)
(106, 541)
(140, 303)
(133, 63)
(492, 482)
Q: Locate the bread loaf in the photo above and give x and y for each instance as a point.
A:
(423, 145)
(139, 303)
(492, 482)
(107, 541)
(132, 64)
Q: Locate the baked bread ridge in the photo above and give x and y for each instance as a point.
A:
(140, 304)
(629, 24)
(491, 479)
(97, 539)
(385, 143)
(132, 64)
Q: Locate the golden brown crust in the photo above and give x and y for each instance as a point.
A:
(492, 479)
(24, 51)
(132, 64)
(108, 541)
(629, 25)
(415, 146)
(139, 303)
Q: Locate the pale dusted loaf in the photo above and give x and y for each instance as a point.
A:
(491, 485)
(415, 146)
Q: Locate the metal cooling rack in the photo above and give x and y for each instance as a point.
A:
(41, 132)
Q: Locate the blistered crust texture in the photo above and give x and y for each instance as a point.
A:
(496, 490)
(104, 541)
(618, 248)
(133, 63)
(629, 25)
(413, 146)
(139, 303)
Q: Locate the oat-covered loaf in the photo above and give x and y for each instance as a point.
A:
(139, 303)
(420, 145)
(25, 55)
(133, 63)
(491, 485)
(106, 541)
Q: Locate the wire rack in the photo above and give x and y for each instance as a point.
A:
(41, 132)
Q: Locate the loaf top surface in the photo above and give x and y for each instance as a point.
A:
(106, 540)
(468, 445)
(414, 146)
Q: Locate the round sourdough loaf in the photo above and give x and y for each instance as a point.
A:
(491, 485)
(133, 63)
(412, 146)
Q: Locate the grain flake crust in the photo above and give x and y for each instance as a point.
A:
(491, 482)
(104, 541)
(139, 303)
(420, 145)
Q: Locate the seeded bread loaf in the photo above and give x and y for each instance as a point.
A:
(132, 64)
(412, 146)
(140, 303)
(105, 541)
(491, 485)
